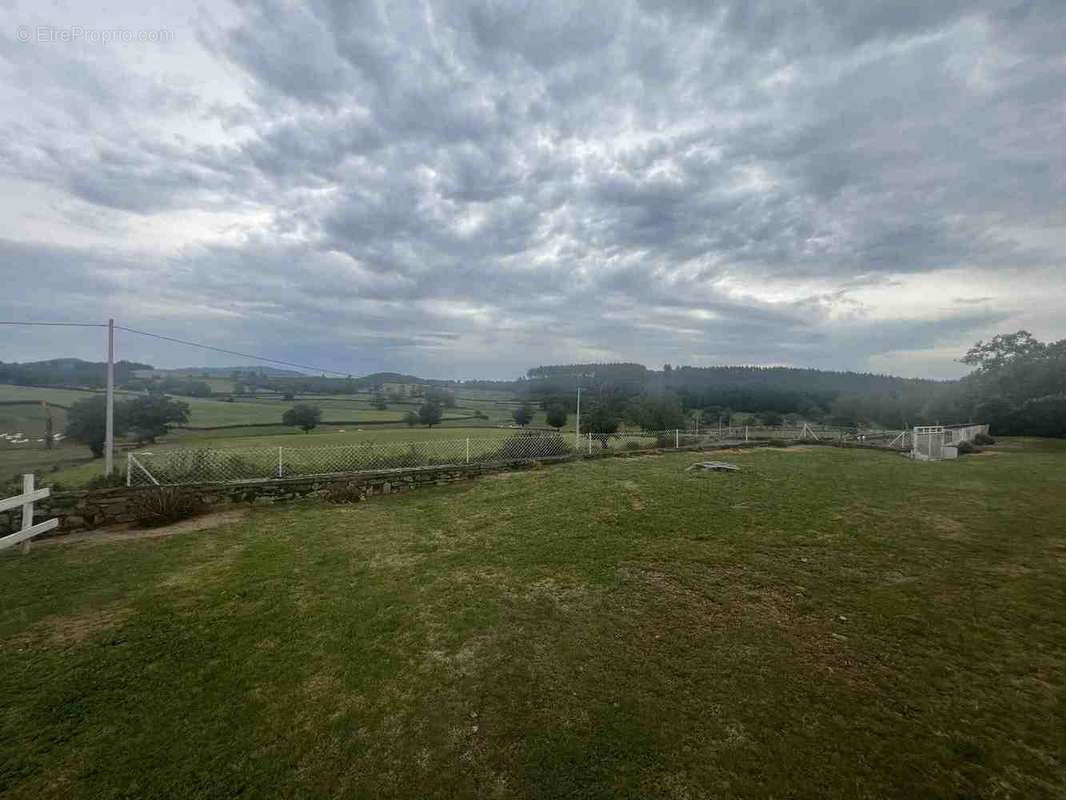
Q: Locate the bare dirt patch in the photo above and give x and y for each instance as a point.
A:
(122, 533)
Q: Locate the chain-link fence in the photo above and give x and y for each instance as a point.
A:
(172, 467)
(186, 466)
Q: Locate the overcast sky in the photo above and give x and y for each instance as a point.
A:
(469, 189)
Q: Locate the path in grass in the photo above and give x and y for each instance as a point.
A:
(825, 623)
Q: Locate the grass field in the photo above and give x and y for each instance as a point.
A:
(67, 463)
(825, 623)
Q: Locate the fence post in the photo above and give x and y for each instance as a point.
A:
(590, 442)
(745, 433)
(27, 509)
(129, 472)
(280, 467)
(467, 449)
(677, 439)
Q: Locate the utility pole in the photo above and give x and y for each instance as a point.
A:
(577, 425)
(109, 424)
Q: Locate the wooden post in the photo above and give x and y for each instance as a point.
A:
(109, 413)
(27, 508)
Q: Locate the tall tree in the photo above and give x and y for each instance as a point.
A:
(429, 414)
(147, 416)
(86, 422)
(556, 416)
(523, 415)
(303, 416)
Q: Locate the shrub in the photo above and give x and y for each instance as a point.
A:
(526, 447)
(983, 439)
(343, 493)
(164, 505)
(965, 448)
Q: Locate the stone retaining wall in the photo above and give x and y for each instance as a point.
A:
(94, 508)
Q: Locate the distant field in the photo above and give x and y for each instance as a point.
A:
(69, 463)
(77, 475)
(825, 623)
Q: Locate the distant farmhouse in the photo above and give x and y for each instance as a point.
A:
(400, 389)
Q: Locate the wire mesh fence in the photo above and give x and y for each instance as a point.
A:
(175, 467)
(188, 466)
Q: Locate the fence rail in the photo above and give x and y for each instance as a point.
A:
(28, 530)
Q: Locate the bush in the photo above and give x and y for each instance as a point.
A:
(983, 439)
(524, 447)
(164, 505)
(966, 448)
(343, 493)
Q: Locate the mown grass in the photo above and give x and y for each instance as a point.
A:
(825, 623)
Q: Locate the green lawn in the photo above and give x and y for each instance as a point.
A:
(826, 623)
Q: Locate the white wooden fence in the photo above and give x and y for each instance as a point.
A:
(28, 530)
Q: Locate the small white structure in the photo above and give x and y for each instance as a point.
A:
(927, 443)
(936, 442)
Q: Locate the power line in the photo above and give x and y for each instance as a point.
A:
(59, 324)
(231, 352)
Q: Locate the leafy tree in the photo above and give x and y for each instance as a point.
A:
(303, 416)
(86, 422)
(600, 421)
(147, 416)
(523, 415)
(411, 418)
(430, 413)
(379, 402)
(656, 412)
(1044, 416)
(556, 417)
(1002, 349)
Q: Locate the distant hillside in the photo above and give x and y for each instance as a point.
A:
(67, 372)
(800, 379)
(228, 372)
(809, 392)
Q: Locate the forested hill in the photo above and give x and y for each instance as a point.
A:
(811, 392)
(785, 378)
(67, 372)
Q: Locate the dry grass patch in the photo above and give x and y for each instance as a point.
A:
(73, 629)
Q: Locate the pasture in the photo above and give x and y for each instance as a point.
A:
(825, 623)
(70, 464)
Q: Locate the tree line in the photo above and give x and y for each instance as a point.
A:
(1018, 386)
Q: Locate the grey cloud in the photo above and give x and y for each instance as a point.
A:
(588, 177)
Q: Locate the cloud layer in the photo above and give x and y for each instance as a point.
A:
(468, 189)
